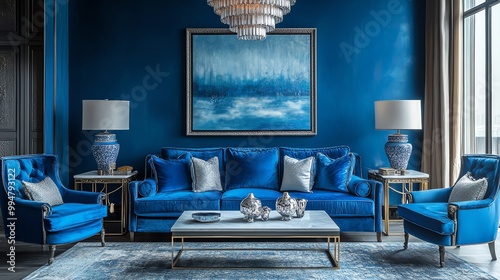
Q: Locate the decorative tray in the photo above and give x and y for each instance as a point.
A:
(206, 217)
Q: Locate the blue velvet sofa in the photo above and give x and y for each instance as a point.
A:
(336, 186)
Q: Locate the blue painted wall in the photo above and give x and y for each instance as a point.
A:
(366, 51)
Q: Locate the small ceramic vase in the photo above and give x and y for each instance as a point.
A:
(286, 206)
(301, 207)
(264, 213)
(250, 207)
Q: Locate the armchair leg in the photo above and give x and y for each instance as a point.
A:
(441, 256)
(379, 237)
(52, 252)
(407, 236)
(103, 234)
(491, 245)
(132, 236)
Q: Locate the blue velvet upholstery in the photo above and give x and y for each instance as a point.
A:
(258, 170)
(431, 218)
(252, 168)
(178, 201)
(172, 174)
(79, 217)
(231, 199)
(333, 174)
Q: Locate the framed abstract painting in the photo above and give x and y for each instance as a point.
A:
(237, 87)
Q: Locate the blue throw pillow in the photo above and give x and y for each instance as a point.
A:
(333, 174)
(201, 153)
(147, 188)
(173, 174)
(359, 187)
(252, 168)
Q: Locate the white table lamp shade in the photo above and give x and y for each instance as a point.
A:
(398, 114)
(105, 115)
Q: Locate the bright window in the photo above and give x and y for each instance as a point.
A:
(481, 133)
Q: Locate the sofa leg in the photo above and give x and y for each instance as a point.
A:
(407, 236)
(103, 234)
(132, 236)
(441, 256)
(379, 237)
(52, 252)
(491, 245)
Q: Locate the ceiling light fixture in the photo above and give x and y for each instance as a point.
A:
(251, 19)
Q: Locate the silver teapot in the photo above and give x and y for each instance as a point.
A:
(251, 208)
(286, 206)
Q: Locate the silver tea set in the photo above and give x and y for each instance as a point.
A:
(286, 206)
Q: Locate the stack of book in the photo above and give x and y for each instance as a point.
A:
(386, 171)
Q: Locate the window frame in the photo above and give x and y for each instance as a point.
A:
(469, 124)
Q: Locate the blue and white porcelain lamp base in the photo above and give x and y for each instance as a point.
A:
(398, 152)
(105, 150)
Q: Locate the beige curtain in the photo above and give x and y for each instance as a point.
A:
(441, 149)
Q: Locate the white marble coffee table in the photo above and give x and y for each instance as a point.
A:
(314, 225)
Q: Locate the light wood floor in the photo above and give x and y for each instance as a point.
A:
(30, 257)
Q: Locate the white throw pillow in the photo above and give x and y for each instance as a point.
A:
(43, 191)
(298, 175)
(205, 174)
(467, 188)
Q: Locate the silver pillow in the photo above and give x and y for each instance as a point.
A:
(205, 175)
(43, 191)
(467, 188)
(298, 175)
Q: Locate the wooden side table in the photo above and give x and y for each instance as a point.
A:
(407, 180)
(122, 180)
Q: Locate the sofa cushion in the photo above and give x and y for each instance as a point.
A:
(298, 175)
(252, 168)
(468, 188)
(359, 187)
(302, 153)
(205, 174)
(44, 191)
(178, 201)
(337, 204)
(433, 215)
(202, 153)
(72, 215)
(147, 187)
(333, 174)
(231, 199)
(172, 174)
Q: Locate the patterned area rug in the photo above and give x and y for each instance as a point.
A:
(360, 260)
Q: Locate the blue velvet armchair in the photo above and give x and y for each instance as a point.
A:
(78, 217)
(430, 217)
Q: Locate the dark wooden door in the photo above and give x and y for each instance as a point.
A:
(21, 77)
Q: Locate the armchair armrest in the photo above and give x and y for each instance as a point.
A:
(74, 196)
(473, 204)
(434, 195)
(28, 214)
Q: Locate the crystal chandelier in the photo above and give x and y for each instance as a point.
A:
(251, 19)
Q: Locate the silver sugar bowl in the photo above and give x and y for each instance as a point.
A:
(286, 206)
(264, 213)
(251, 207)
(301, 207)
